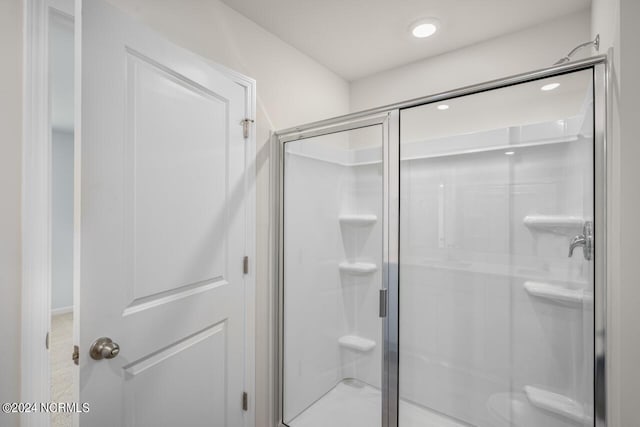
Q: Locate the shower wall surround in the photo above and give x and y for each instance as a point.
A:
(495, 320)
(333, 247)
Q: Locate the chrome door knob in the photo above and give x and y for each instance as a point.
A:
(104, 348)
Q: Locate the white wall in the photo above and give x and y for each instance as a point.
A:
(523, 51)
(629, 91)
(10, 178)
(62, 220)
(617, 23)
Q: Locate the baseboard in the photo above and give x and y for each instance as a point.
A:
(61, 310)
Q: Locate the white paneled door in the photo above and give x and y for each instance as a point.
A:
(161, 231)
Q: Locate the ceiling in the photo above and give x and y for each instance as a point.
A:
(356, 38)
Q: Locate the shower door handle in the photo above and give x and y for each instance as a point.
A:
(382, 310)
(585, 240)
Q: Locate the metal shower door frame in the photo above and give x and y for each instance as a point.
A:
(390, 123)
(389, 116)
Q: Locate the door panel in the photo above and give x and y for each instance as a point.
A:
(162, 230)
(206, 349)
(333, 271)
(496, 320)
(177, 157)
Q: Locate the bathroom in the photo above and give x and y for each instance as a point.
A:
(400, 212)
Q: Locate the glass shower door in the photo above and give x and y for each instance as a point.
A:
(332, 338)
(496, 320)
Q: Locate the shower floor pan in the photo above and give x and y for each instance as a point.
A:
(355, 404)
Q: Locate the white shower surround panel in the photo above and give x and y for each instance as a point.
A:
(332, 268)
(469, 327)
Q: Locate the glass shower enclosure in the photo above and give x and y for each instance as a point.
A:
(333, 253)
(441, 261)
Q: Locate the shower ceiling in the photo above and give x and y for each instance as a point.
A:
(356, 38)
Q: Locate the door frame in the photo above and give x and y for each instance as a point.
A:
(602, 223)
(36, 208)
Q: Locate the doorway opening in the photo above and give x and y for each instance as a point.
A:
(61, 113)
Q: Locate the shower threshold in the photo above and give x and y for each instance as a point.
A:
(352, 403)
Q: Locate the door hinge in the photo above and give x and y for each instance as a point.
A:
(245, 127)
(245, 265)
(383, 303)
(245, 401)
(46, 341)
(76, 355)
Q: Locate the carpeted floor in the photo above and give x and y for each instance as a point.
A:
(61, 348)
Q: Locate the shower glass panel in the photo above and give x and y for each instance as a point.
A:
(332, 263)
(496, 321)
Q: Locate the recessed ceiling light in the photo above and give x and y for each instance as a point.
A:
(550, 86)
(424, 28)
(443, 107)
(509, 153)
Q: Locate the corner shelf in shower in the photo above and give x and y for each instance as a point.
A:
(358, 219)
(557, 403)
(354, 342)
(557, 293)
(559, 224)
(357, 268)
